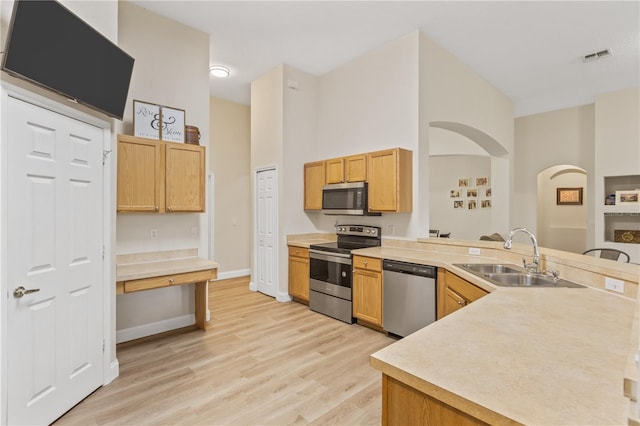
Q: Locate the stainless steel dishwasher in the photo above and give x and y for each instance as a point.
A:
(409, 297)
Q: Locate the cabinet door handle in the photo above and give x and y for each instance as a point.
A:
(462, 302)
(365, 263)
(157, 208)
(169, 208)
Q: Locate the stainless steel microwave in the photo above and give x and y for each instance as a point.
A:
(346, 199)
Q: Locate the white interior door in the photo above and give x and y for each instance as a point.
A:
(55, 228)
(266, 221)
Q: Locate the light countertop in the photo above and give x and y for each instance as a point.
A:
(530, 355)
(145, 265)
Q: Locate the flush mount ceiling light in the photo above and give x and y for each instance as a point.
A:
(596, 55)
(219, 71)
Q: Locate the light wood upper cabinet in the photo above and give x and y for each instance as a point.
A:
(367, 289)
(390, 180)
(355, 168)
(299, 273)
(455, 293)
(313, 183)
(185, 177)
(140, 175)
(334, 170)
(157, 176)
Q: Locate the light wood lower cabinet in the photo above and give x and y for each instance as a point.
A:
(367, 289)
(404, 405)
(455, 293)
(299, 273)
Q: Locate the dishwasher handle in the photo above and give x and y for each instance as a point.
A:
(409, 268)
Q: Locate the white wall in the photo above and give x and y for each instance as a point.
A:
(369, 104)
(463, 223)
(171, 68)
(563, 137)
(451, 92)
(230, 159)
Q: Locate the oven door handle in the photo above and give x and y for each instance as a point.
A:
(333, 257)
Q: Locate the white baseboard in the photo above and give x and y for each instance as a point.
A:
(145, 330)
(112, 372)
(233, 274)
(283, 297)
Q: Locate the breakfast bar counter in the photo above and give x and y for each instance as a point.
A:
(517, 356)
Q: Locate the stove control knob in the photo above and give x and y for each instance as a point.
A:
(373, 231)
(368, 231)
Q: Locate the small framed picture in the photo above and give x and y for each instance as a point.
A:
(146, 120)
(172, 124)
(481, 181)
(569, 196)
(485, 204)
(458, 204)
(487, 192)
(628, 197)
(471, 204)
(454, 193)
(472, 192)
(463, 182)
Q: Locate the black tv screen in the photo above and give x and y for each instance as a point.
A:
(50, 46)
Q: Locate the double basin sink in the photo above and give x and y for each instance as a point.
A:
(512, 276)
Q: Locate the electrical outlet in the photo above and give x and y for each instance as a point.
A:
(614, 285)
(473, 250)
(391, 229)
(153, 233)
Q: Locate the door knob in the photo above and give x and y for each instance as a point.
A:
(21, 291)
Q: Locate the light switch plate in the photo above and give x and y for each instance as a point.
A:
(614, 285)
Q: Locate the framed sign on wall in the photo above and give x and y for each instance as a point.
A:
(569, 196)
(146, 120)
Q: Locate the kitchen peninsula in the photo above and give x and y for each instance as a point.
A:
(517, 356)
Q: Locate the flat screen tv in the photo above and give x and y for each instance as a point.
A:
(50, 46)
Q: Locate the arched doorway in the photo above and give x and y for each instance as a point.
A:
(562, 226)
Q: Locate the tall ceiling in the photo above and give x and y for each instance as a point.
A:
(532, 51)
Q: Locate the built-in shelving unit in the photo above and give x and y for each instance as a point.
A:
(620, 216)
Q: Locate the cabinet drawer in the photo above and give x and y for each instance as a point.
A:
(298, 251)
(168, 280)
(368, 263)
(464, 288)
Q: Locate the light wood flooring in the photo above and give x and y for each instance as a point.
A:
(261, 362)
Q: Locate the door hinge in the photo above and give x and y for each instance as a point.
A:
(105, 154)
(103, 345)
(102, 252)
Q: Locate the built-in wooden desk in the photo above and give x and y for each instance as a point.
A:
(148, 271)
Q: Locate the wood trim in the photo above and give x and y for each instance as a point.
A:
(168, 280)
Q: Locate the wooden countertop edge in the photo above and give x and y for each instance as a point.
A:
(441, 394)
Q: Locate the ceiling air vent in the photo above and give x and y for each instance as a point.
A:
(597, 55)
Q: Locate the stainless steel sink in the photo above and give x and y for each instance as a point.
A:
(488, 268)
(512, 276)
(529, 280)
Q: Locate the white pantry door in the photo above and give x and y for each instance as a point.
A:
(267, 212)
(55, 228)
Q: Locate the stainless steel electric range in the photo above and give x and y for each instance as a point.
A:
(330, 274)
